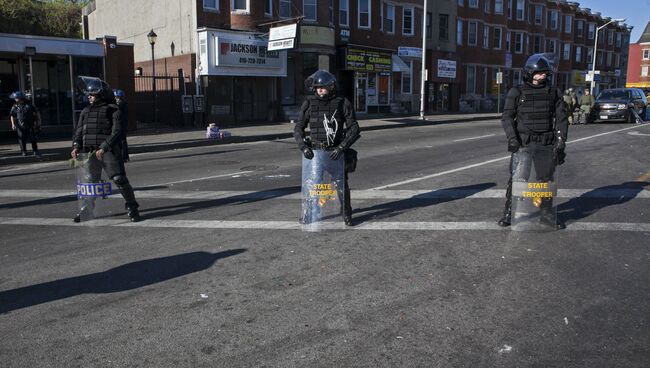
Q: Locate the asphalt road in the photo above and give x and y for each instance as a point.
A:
(219, 274)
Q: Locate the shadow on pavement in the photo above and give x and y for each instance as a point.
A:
(597, 199)
(126, 277)
(390, 209)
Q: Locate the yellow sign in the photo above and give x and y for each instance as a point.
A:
(638, 85)
(578, 79)
(317, 35)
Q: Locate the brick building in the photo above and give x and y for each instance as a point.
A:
(638, 74)
(498, 35)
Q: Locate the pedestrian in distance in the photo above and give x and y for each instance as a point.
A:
(100, 131)
(535, 118)
(587, 103)
(333, 128)
(124, 112)
(26, 121)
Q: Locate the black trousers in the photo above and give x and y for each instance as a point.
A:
(24, 134)
(113, 166)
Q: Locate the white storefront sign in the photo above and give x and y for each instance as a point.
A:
(413, 52)
(446, 68)
(281, 44)
(279, 33)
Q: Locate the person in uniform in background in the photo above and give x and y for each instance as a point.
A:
(587, 103)
(124, 111)
(26, 121)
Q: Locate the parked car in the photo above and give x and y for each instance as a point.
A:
(619, 104)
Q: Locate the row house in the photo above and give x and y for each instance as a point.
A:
(218, 48)
(638, 72)
(499, 35)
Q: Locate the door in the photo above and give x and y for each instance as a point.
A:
(360, 88)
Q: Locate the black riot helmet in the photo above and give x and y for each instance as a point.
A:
(540, 63)
(321, 78)
(91, 86)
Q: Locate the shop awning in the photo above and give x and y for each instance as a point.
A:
(399, 65)
(14, 43)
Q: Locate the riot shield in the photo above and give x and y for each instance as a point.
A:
(92, 187)
(534, 188)
(323, 188)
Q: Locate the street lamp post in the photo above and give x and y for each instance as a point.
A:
(423, 73)
(593, 64)
(152, 36)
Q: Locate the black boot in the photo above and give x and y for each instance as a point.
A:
(86, 214)
(347, 218)
(133, 214)
(506, 219)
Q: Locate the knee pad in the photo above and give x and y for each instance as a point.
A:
(121, 180)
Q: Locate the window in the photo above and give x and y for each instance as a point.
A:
(240, 6)
(590, 55)
(580, 28)
(471, 33)
(578, 54)
(429, 28)
(443, 25)
(496, 38)
(538, 14)
(344, 12)
(508, 41)
(498, 6)
(389, 20)
(591, 31)
(554, 19)
(211, 4)
(516, 77)
(519, 42)
(568, 22)
(285, 8)
(407, 79)
(537, 44)
(610, 56)
(610, 37)
(407, 21)
(486, 35)
(309, 10)
(461, 2)
(364, 14)
(644, 71)
(486, 5)
(473, 3)
(268, 7)
(646, 54)
(566, 51)
(509, 9)
(550, 46)
(618, 39)
(459, 33)
(330, 12)
(471, 79)
(617, 60)
(520, 9)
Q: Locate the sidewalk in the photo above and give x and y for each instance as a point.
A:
(60, 149)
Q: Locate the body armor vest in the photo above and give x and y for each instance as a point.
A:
(25, 114)
(326, 121)
(536, 109)
(98, 124)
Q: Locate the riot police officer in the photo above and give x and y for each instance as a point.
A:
(535, 117)
(100, 130)
(124, 112)
(26, 121)
(325, 104)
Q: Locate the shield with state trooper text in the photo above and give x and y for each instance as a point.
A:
(322, 192)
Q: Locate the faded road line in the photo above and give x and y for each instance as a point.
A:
(293, 225)
(472, 138)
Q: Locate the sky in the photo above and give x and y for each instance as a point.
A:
(637, 12)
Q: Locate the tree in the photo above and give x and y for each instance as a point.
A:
(58, 18)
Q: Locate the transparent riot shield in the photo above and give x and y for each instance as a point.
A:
(93, 188)
(323, 188)
(534, 188)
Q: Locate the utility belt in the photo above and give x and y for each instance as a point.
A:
(322, 146)
(545, 138)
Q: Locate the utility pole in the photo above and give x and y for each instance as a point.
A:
(424, 60)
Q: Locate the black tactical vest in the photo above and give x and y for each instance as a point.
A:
(330, 111)
(98, 124)
(25, 114)
(535, 109)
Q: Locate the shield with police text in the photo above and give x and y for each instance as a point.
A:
(323, 188)
(534, 189)
(93, 187)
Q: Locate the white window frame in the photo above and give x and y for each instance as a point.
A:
(486, 36)
(486, 6)
(519, 35)
(498, 6)
(566, 51)
(644, 71)
(469, 32)
(578, 54)
(412, 31)
(472, 88)
(344, 6)
(211, 8)
(646, 54)
(305, 5)
(369, 2)
(270, 4)
(495, 40)
(410, 78)
(390, 7)
(521, 6)
(472, 4)
(459, 32)
(591, 31)
(568, 23)
(243, 11)
(539, 10)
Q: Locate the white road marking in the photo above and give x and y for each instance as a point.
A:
(235, 174)
(294, 225)
(472, 138)
(638, 133)
(413, 180)
(357, 194)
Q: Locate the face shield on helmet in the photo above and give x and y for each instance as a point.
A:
(540, 63)
(17, 96)
(91, 86)
(321, 78)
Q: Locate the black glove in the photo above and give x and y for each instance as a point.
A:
(513, 145)
(307, 152)
(336, 153)
(560, 156)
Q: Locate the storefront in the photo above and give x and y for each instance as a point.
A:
(45, 68)
(442, 85)
(370, 70)
(239, 77)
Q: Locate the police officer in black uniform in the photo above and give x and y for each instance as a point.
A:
(26, 121)
(535, 117)
(326, 104)
(124, 112)
(100, 130)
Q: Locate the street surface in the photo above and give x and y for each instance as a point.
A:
(219, 273)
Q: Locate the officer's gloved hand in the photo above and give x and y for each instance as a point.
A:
(513, 145)
(560, 156)
(336, 153)
(307, 152)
